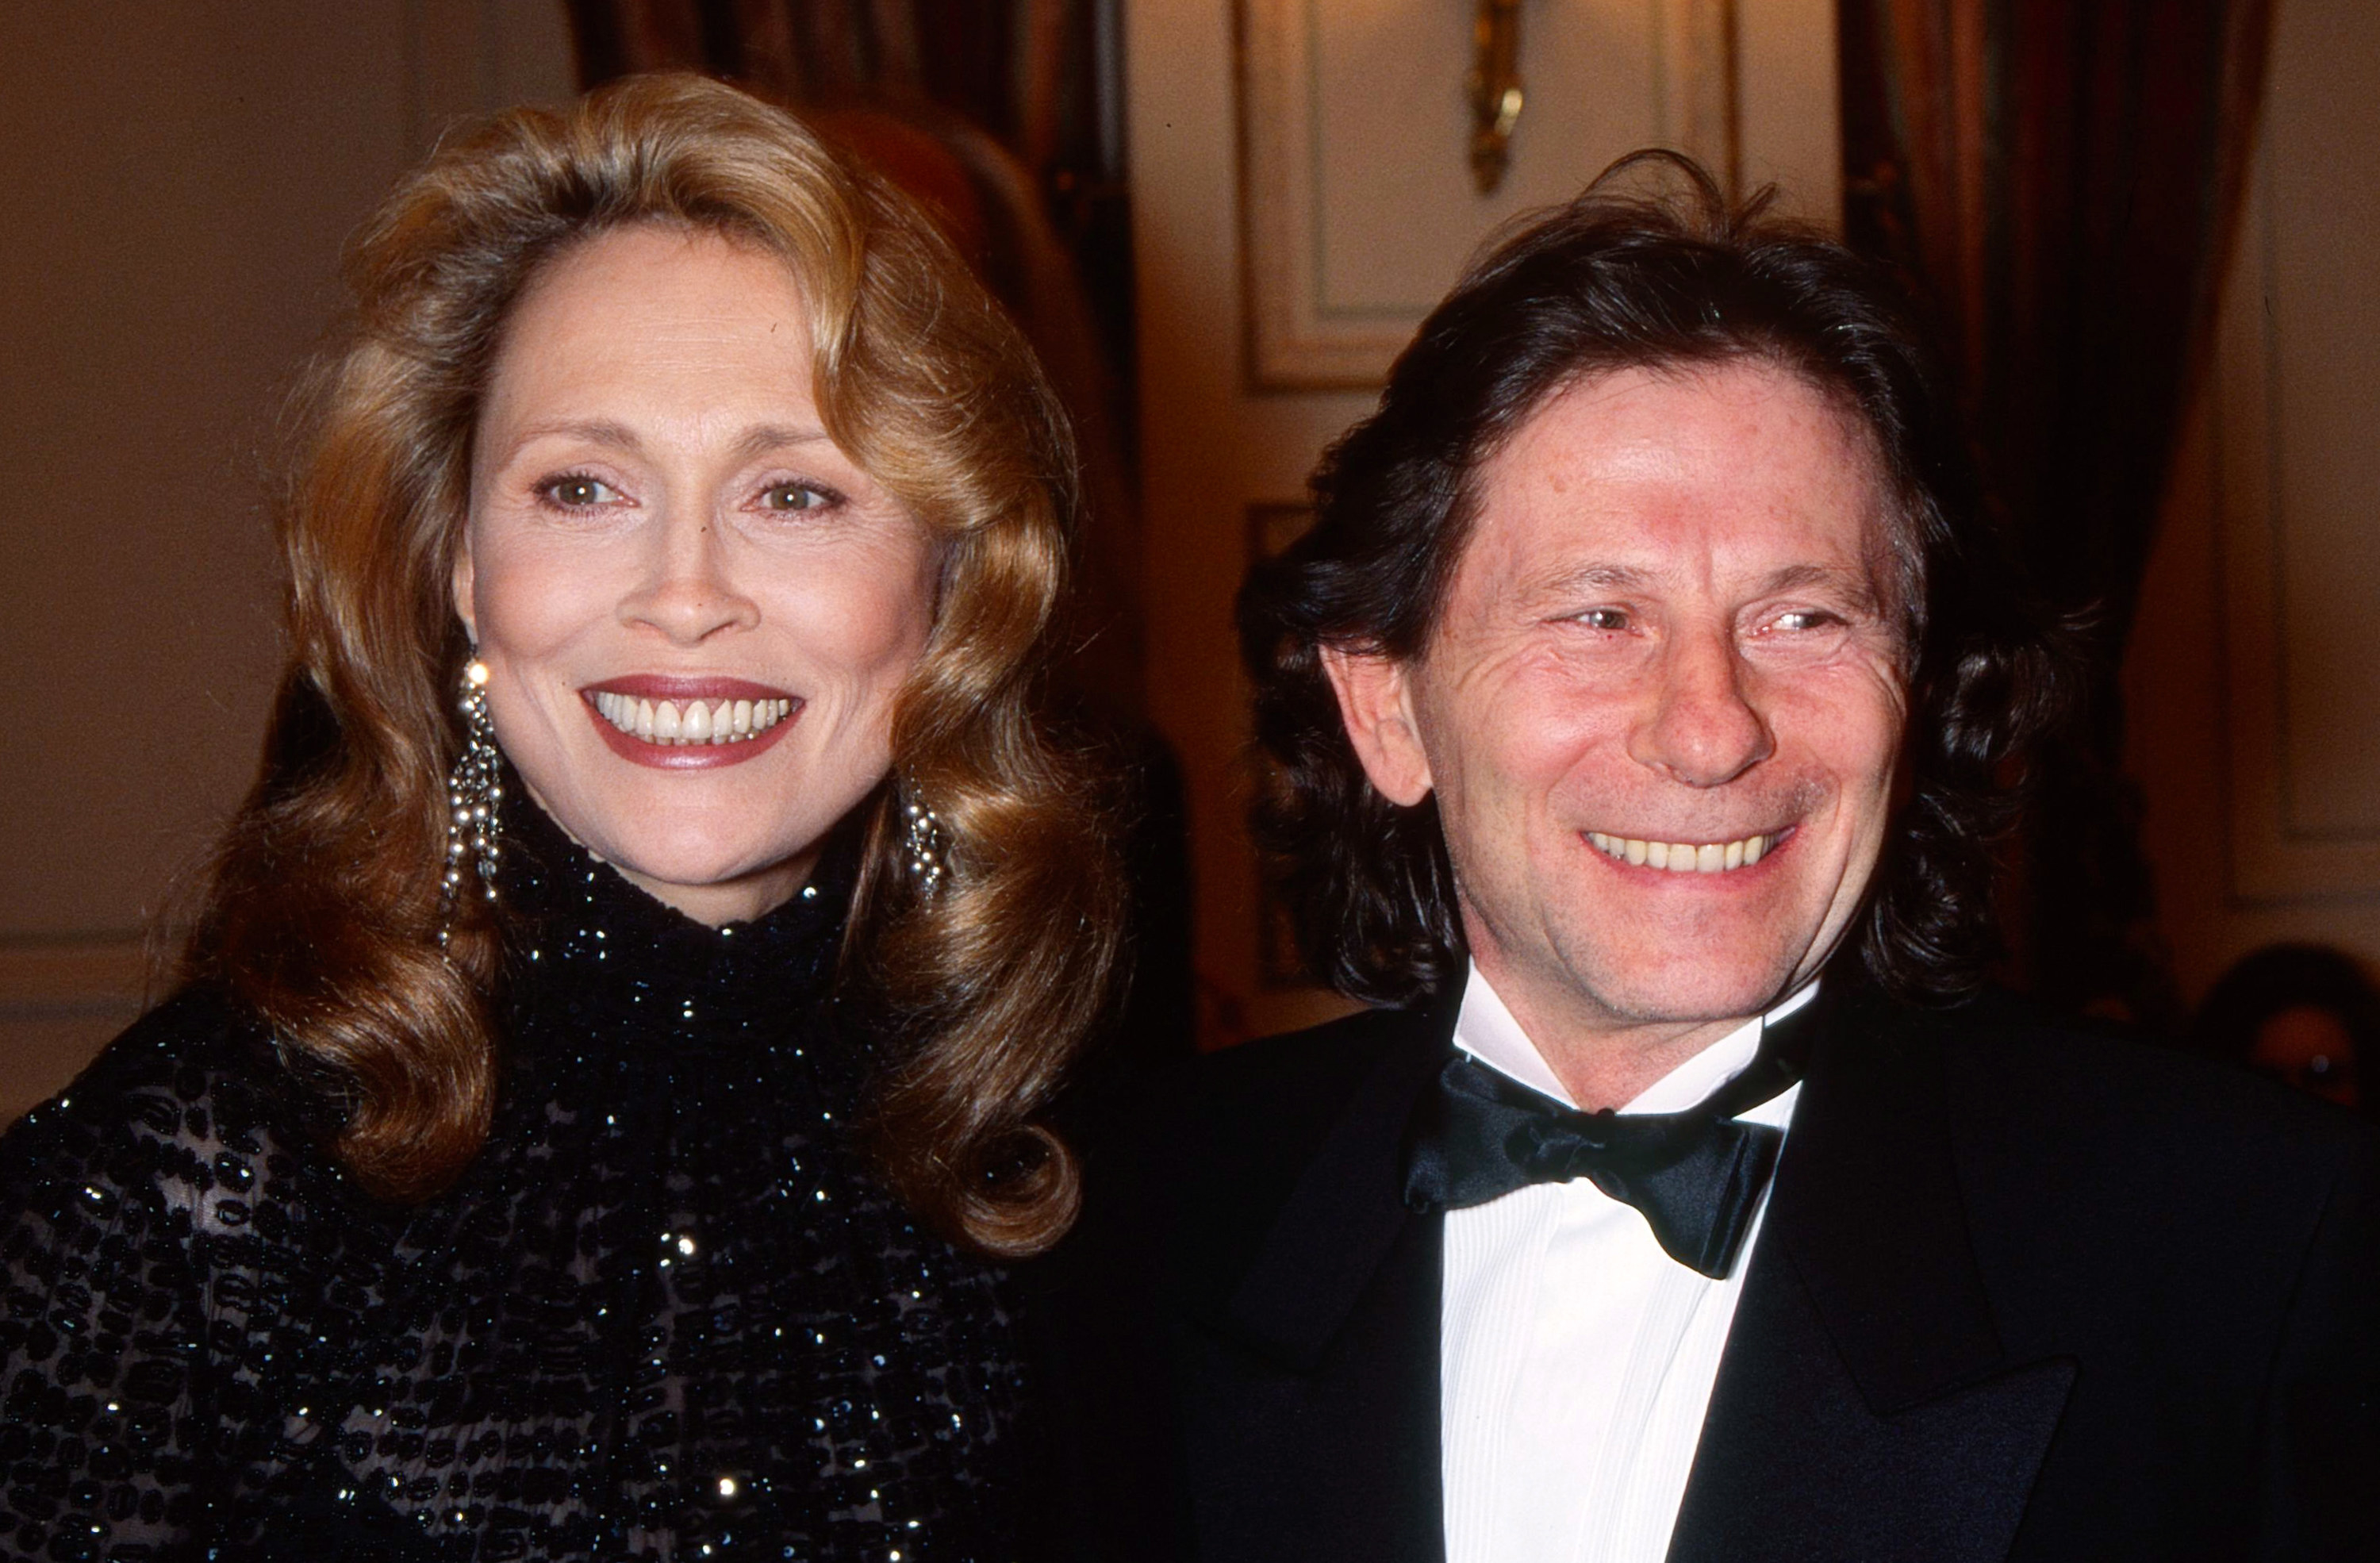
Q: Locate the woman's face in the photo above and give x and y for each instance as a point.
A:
(695, 609)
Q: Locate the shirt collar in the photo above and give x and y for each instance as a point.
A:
(1487, 1031)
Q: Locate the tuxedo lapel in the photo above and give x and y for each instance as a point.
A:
(1865, 1406)
(1344, 1215)
(1312, 1399)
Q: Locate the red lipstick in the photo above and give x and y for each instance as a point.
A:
(716, 697)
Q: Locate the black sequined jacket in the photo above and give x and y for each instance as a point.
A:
(666, 1312)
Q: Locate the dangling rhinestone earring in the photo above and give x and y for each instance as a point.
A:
(922, 840)
(474, 788)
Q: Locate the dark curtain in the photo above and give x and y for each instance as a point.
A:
(1026, 70)
(2058, 180)
(1042, 77)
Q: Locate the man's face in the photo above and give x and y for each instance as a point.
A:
(1662, 706)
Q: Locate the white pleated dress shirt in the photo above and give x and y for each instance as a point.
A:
(1576, 1356)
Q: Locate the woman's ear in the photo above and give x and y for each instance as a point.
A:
(465, 609)
(1376, 702)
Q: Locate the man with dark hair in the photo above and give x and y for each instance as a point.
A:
(1647, 699)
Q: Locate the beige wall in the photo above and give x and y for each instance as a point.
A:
(1346, 213)
(178, 175)
(2255, 675)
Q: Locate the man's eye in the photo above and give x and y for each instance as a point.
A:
(1804, 619)
(577, 491)
(1602, 619)
(795, 496)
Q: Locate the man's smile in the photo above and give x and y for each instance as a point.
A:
(1690, 858)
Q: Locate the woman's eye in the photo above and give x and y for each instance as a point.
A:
(577, 491)
(793, 496)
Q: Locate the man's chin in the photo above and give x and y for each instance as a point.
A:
(1691, 997)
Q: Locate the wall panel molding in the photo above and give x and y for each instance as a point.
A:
(180, 178)
(2296, 596)
(59, 998)
(1345, 249)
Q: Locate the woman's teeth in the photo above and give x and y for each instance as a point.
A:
(691, 722)
(1684, 857)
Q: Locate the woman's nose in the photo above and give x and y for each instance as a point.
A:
(688, 589)
(1703, 729)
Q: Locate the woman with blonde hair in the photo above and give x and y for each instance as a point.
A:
(612, 1065)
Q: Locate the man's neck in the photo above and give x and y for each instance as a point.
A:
(1601, 1060)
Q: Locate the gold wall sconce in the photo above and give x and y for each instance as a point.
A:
(1495, 90)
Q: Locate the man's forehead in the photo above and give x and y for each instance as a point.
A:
(1650, 422)
(1642, 479)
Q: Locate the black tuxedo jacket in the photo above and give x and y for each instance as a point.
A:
(2021, 1293)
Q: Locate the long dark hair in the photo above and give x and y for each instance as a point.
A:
(1619, 280)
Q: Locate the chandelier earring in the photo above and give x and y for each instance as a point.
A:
(921, 840)
(474, 789)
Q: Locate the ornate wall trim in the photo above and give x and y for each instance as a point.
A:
(1673, 63)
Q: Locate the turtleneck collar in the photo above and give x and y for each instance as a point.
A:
(576, 924)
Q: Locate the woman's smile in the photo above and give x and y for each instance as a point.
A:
(676, 722)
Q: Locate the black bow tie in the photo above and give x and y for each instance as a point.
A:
(1698, 1175)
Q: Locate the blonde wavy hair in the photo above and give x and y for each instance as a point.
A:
(323, 909)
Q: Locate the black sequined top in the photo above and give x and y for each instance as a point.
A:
(667, 1312)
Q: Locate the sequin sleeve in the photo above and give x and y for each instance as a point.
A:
(151, 1247)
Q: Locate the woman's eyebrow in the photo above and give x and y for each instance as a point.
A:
(594, 431)
(763, 438)
(755, 441)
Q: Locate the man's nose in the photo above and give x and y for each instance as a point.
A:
(1703, 729)
(688, 589)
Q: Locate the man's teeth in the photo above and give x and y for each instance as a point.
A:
(1684, 857)
(691, 722)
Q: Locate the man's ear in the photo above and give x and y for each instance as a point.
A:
(463, 575)
(1376, 702)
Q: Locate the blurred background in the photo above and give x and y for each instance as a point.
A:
(2148, 230)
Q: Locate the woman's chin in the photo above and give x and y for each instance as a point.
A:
(713, 891)
(691, 830)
